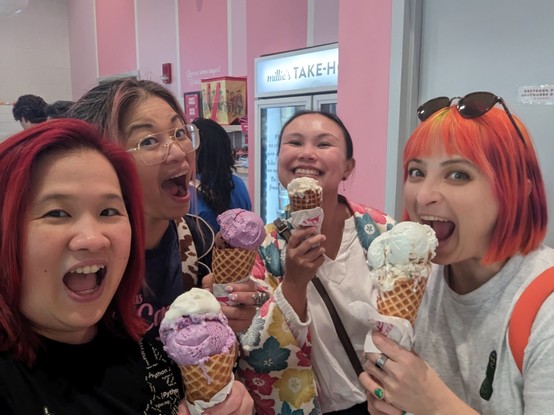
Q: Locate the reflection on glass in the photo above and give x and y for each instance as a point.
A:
(273, 196)
(332, 108)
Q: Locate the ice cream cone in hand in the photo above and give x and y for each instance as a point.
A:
(400, 262)
(241, 234)
(304, 193)
(196, 335)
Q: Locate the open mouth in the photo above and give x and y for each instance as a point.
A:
(176, 186)
(85, 280)
(443, 228)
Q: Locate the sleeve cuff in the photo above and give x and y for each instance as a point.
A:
(298, 328)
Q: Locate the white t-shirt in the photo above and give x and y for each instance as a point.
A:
(456, 335)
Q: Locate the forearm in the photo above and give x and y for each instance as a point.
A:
(296, 296)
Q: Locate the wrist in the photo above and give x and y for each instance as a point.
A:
(296, 295)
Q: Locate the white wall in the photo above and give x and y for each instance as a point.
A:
(34, 52)
(496, 46)
(8, 125)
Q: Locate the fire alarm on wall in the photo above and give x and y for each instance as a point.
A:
(166, 73)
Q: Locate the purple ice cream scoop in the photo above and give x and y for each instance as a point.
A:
(191, 340)
(241, 228)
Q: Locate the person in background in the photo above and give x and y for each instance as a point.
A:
(57, 109)
(292, 359)
(29, 110)
(146, 119)
(72, 261)
(472, 174)
(218, 189)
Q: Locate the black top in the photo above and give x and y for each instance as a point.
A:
(106, 376)
(164, 278)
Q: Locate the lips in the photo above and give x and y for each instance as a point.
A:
(301, 171)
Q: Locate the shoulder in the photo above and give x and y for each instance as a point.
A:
(375, 214)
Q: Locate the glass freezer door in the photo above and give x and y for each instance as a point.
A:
(270, 197)
(325, 102)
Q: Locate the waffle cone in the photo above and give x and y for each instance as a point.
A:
(309, 200)
(404, 299)
(232, 264)
(202, 382)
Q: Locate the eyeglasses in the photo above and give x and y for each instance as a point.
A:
(153, 149)
(471, 106)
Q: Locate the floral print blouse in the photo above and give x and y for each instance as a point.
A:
(275, 369)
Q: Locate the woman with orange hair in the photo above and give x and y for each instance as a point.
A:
(471, 172)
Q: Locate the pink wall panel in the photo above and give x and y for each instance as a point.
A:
(364, 56)
(326, 21)
(82, 47)
(157, 40)
(203, 41)
(272, 27)
(115, 25)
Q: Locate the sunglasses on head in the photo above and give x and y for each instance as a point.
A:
(471, 106)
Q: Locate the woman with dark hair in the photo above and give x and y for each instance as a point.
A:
(218, 189)
(293, 361)
(146, 119)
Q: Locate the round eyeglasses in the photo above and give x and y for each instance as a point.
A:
(154, 149)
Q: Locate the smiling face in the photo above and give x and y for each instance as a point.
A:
(165, 185)
(313, 145)
(455, 198)
(76, 246)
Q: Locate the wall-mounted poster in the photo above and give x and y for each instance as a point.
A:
(193, 105)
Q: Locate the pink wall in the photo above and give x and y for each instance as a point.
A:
(271, 27)
(157, 40)
(326, 21)
(203, 41)
(364, 56)
(115, 26)
(82, 47)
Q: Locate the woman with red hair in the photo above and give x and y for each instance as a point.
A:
(471, 173)
(71, 264)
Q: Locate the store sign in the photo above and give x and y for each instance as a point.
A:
(536, 94)
(299, 72)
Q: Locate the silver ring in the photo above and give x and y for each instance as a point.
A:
(381, 361)
(260, 297)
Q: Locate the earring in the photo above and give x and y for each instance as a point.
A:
(344, 184)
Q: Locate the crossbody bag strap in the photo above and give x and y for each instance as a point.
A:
(283, 229)
(339, 327)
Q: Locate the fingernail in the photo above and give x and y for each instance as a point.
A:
(233, 297)
(379, 393)
(229, 288)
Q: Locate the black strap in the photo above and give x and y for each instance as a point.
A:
(283, 229)
(339, 328)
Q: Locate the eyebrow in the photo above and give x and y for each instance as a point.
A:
(147, 125)
(65, 197)
(447, 162)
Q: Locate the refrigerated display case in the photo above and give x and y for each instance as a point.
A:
(317, 69)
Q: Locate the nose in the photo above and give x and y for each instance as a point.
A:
(429, 192)
(307, 152)
(89, 235)
(174, 151)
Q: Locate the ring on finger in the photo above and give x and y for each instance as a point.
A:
(260, 297)
(381, 361)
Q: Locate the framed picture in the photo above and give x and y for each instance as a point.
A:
(193, 105)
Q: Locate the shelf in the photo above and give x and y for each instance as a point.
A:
(232, 128)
